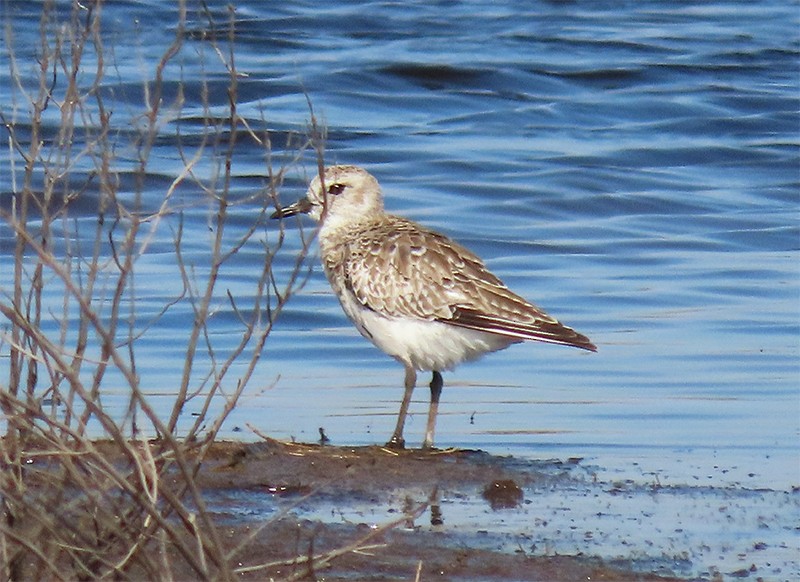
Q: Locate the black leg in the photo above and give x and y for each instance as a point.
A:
(436, 391)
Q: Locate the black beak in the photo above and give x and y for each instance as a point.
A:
(300, 207)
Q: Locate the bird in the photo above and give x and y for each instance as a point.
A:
(417, 295)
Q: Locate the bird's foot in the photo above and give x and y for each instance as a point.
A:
(396, 442)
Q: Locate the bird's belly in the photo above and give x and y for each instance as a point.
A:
(427, 345)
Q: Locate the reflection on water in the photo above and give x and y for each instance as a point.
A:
(632, 170)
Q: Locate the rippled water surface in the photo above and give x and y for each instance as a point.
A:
(633, 169)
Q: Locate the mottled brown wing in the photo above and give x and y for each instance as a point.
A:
(403, 270)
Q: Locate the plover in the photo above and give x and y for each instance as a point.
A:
(418, 296)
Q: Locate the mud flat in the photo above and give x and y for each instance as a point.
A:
(369, 513)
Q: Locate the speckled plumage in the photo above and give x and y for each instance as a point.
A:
(418, 296)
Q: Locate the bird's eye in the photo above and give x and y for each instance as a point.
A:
(336, 189)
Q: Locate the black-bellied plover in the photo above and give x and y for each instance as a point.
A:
(418, 296)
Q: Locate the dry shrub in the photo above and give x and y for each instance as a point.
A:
(89, 491)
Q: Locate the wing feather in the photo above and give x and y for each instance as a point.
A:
(398, 268)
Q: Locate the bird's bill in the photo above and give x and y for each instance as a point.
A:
(302, 206)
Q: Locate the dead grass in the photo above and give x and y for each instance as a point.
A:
(72, 510)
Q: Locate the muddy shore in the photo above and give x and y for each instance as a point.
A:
(286, 510)
(301, 499)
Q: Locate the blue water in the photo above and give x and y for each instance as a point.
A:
(633, 168)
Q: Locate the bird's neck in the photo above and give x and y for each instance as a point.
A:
(337, 229)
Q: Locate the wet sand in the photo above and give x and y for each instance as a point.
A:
(322, 512)
(312, 499)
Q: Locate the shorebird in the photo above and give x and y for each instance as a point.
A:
(418, 296)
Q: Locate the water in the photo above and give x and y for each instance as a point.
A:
(633, 169)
